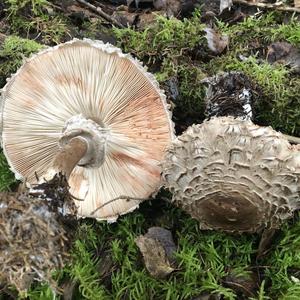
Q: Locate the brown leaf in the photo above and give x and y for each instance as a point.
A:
(265, 243)
(244, 284)
(157, 247)
(124, 17)
(284, 53)
(68, 288)
(216, 43)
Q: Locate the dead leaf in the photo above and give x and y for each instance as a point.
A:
(146, 19)
(68, 288)
(124, 17)
(207, 296)
(265, 243)
(216, 43)
(225, 4)
(284, 53)
(170, 7)
(164, 236)
(157, 247)
(246, 284)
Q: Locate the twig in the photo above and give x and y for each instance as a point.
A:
(101, 13)
(128, 198)
(275, 6)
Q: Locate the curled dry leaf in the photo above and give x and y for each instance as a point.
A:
(157, 247)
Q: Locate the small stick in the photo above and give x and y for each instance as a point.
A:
(128, 198)
(101, 13)
(268, 5)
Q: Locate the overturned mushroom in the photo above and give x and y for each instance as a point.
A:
(85, 104)
(231, 174)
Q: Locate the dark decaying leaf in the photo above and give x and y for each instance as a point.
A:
(230, 94)
(157, 247)
(246, 284)
(68, 287)
(170, 7)
(207, 296)
(284, 53)
(125, 17)
(266, 241)
(171, 88)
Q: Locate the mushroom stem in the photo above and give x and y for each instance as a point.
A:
(292, 139)
(68, 157)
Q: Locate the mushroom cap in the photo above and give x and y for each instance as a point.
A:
(233, 175)
(99, 82)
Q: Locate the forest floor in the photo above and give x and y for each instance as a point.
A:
(262, 43)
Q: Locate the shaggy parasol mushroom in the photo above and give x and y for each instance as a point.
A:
(233, 175)
(85, 104)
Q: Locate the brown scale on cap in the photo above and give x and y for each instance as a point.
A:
(233, 175)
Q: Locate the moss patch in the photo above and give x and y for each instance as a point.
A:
(12, 54)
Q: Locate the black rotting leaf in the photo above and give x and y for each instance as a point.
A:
(230, 94)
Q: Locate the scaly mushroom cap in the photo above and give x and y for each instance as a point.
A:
(109, 89)
(233, 175)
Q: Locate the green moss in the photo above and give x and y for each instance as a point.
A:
(7, 178)
(284, 264)
(169, 46)
(165, 43)
(31, 17)
(255, 32)
(204, 259)
(12, 54)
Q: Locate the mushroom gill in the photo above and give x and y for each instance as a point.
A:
(91, 91)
